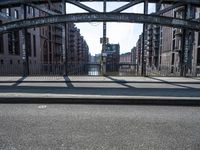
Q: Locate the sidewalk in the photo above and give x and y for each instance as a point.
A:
(100, 89)
(99, 78)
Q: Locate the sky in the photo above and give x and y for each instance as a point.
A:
(126, 34)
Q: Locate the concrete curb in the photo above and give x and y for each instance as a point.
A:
(174, 101)
(119, 81)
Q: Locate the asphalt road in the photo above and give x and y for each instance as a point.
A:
(98, 127)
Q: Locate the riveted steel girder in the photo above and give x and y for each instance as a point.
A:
(82, 6)
(101, 17)
(10, 3)
(42, 8)
(168, 8)
(120, 9)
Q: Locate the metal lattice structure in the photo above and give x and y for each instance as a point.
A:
(93, 15)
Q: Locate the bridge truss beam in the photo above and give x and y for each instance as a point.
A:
(169, 8)
(42, 8)
(124, 7)
(101, 17)
(11, 3)
(80, 5)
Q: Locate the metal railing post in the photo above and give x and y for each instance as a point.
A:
(143, 71)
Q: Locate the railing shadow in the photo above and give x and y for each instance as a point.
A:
(93, 89)
(171, 83)
(68, 81)
(121, 82)
(19, 81)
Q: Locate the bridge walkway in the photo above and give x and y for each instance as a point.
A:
(95, 89)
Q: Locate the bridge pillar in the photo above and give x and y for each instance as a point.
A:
(64, 40)
(103, 56)
(143, 71)
(185, 44)
(25, 53)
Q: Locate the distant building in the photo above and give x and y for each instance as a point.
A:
(139, 53)
(77, 51)
(152, 54)
(51, 44)
(126, 58)
(97, 58)
(113, 57)
(133, 55)
(90, 57)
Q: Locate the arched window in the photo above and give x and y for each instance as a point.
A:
(1, 41)
(45, 52)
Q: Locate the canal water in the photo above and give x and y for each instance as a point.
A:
(96, 71)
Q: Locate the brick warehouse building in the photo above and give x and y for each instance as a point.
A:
(11, 54)
(164, 46)
(113, 57)
(44, 45)
(78, 51)
(126, 57)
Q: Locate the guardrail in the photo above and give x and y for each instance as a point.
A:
(76, 69)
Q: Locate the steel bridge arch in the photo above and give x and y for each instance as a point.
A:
(100, 17)
(6, 3)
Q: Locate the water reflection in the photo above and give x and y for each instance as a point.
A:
(94, 70)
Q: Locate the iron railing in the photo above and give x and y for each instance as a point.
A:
(78, 69)
(44, 69)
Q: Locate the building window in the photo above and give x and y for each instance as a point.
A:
(1, 42)
(13, 43)
(28, 9)
(29, 44)
(198, 38)
(33, 12)
(8, 11)
(34, 46)
(10, 43)
(45, 52)
(172, 58)
(172, 69)
(198, 57)
(49, 34)
(16, 14)
(11, 62)
(2, 62)
(160, 60)
(173, 45)
(16, 43)
(175, 14)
